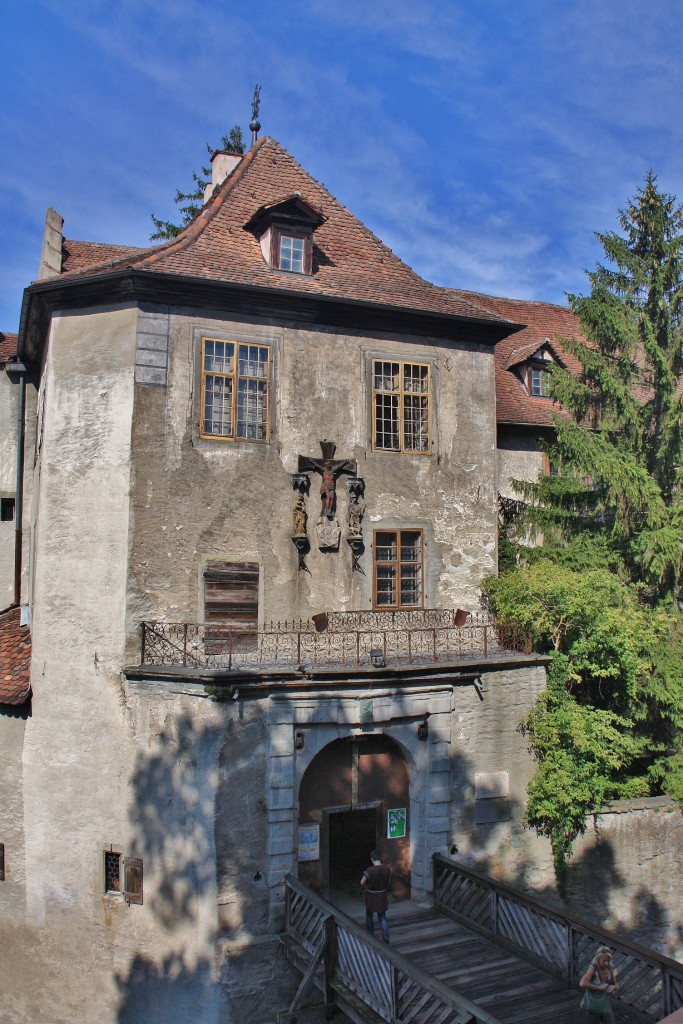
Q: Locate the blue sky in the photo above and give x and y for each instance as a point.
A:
(484, 141)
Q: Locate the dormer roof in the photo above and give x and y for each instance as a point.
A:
(533, 350)
(294, 209)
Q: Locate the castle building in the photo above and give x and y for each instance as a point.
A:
(260, 469)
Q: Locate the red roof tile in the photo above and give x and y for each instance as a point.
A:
(79, 255)
(8, 347)
(543, 321)
(15, 658)
(348, 260)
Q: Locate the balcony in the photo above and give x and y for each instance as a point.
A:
(334, 640)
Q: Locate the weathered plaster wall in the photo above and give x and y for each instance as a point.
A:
(12, 890)
(486, 828)
(196, 500)
(85, 741)
(519, 456)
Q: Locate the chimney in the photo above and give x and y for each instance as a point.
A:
(51, 254)
(222, 164)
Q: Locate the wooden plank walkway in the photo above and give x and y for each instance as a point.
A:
(506, 985)
(484, 954)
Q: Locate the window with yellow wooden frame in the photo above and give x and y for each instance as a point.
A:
(235, 390)
(398, 569)
(401, 406)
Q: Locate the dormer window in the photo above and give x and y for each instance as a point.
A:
(285, 234)
(532, 366)
(292, 253)
(537, 381)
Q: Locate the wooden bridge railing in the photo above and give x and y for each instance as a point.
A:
(649, 984)
(350, 967)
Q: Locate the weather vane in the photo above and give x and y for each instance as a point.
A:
(255, 124)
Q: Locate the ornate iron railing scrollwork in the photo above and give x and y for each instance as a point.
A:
(423, 636)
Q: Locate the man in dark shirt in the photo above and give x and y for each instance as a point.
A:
(375, 882)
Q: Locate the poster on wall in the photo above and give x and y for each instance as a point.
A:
(309, 842)
(396, 823)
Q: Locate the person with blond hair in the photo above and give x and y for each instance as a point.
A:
(599, 983)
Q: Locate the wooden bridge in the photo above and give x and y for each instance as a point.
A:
(485, 954)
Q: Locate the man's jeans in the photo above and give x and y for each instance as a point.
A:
(383, 924)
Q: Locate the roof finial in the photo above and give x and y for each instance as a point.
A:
(255, 124)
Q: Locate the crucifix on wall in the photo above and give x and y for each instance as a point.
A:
(330, 469)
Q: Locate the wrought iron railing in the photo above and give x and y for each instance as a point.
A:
(341, 639)
(349, 967)
(649, 984)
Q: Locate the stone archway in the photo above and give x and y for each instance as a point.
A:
(350, 789)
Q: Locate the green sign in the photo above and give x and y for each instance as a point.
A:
(366, 715)
(396, 823)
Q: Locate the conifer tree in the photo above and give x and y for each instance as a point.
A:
(190, 203)
(621, 446)
(598, 595)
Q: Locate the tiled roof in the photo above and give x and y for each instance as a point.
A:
(8, 346)
(543, 321)
(15, 658)
(79, 255)
(349, 262)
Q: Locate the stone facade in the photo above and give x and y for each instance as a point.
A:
(121, 774)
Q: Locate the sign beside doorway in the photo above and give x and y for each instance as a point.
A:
(309, 842)
(396, 823)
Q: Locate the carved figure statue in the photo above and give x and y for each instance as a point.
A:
(356, 513)
(299, 517)
(328, 488)
(329, 469)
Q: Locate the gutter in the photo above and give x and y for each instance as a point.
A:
(17, 372)
(129, 284)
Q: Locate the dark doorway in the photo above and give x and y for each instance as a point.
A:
(351, 790)
(352, 836)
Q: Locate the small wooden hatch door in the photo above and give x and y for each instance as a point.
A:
(231, 606)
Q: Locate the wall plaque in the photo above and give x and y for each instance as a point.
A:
(328, 533)
(491, 785)
(309, 841)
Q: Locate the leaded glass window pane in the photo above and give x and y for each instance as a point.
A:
(218, 405)
(387, 423)
(235, 390)
(401, 400)
(398, 569)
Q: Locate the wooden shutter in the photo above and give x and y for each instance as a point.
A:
(231, 600)
(132, 879)
(231, 594)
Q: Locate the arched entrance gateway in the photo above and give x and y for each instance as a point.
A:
(357, 790)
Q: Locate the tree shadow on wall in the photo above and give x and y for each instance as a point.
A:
(594, 885)
(594, 882)
(179, 789)
(170, 991)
